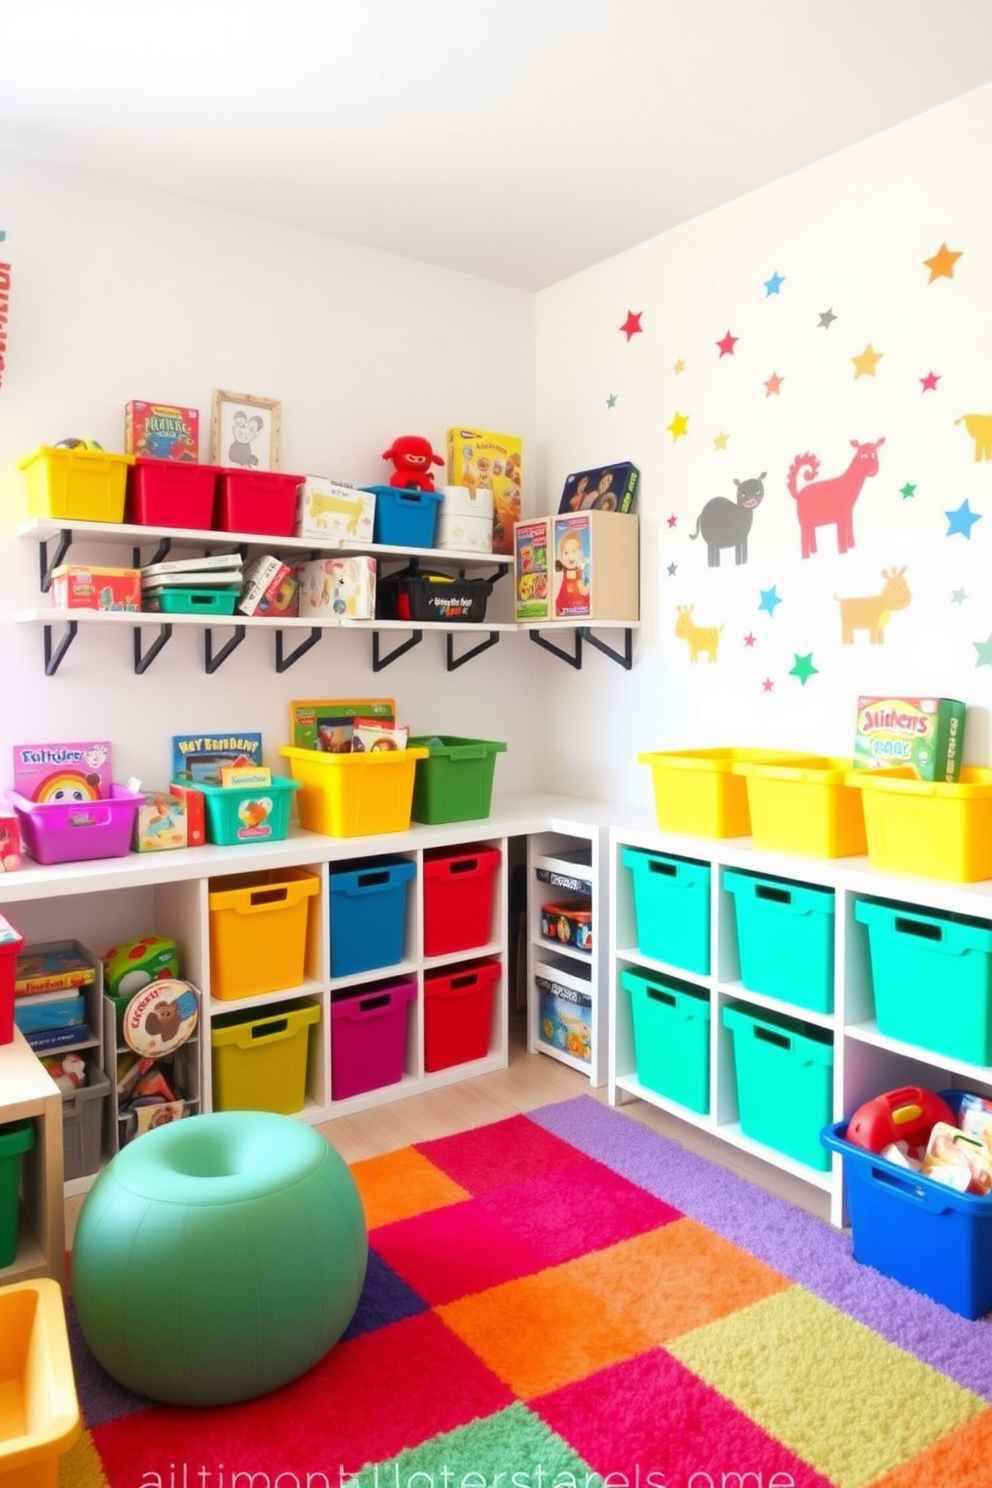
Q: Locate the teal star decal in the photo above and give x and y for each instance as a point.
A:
(774, 284)
(804, 668)
(769, 599)
(611, 401)
(907, 491)
(962, 520)
(984, 649)
(958, 596)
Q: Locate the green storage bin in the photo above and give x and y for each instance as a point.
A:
(785, 937)
(671, 1037)
(455, 781)
(784, 1081)
(15, 1138)
(193, 601)
(671, 908)
(932, 978)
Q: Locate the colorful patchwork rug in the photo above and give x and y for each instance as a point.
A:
(568, 1300)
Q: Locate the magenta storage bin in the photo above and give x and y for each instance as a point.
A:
(70, 832)
(261, 501)
(368, 1038)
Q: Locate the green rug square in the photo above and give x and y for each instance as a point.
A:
(838, 1394)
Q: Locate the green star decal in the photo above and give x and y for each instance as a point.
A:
(804, 668)
(611, 401)
(984, 649)
(907, 491)
(958, 596)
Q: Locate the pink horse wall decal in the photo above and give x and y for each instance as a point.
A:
(830, 503)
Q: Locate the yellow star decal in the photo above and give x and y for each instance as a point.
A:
(679, 425)
(679, 366)
(720, 442)
(865, 364)
(941, 266)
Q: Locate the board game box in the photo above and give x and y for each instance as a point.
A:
(480, 458)
(925, 735)
(63, 773)
(610, 488)
(197, 758)
(308, 715)
(161, 431)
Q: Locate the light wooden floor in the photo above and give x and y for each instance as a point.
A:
(530, 1080)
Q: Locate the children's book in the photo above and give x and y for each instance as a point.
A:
(63, 774)
(610, 488)
(58, 1038)
(197, 758)
(306, 716)
(51, 968)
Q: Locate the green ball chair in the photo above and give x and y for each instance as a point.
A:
(218, 1257)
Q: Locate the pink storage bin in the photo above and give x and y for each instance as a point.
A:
(262, 501)
(11, 941)
(72, 832)
(171, 493)
(368, 1038)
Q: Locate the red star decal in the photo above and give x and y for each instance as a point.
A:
(930, 381)
(749, 640)
(727, 344)
(773, 384)
(768, 684)
(632, 325)
(672, 521)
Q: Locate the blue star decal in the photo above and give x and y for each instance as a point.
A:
(673, 569)
(774, 284)
(769, 599)
(962, 520)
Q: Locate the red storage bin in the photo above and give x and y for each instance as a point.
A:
(171, 493)
(10, 946)
(458, 898)
(458, 1013)
(261, 501)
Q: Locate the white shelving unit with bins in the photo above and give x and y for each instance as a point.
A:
(865, 1062)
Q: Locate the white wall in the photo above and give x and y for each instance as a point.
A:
(849, 235)
(118, 294)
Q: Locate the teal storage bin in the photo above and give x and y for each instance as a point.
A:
(785, 937)
(237, 816)
(671, 908)
(671, 1036)
(784, 1081)
(16, 1138)
(932, 978)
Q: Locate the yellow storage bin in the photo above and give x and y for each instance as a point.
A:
(931, 828)
(76, 484)
(354, 795)
(697, 792)
(259, 1060)
(39, 1409)
(258, 931)
(805, 807)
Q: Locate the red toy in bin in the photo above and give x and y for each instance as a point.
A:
(458, 899)
(10, 946)
(905, 1115)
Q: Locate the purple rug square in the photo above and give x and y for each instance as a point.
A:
(385, 1299)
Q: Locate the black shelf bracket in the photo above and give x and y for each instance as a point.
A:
(54, 654)
(574, 658)
(379, 661)
(456, 661)
(49, 562)
(143, 660)
(163, 549)
(212, 661)
(624, 658)
(284, 659)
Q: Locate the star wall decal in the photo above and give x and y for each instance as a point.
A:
(865, 364)
(749, 639)
(941, 266)
(673, 569)
(679, 365)
(958, 596)
(907, 492)
(611, 401)
(673, 520)
(827, 317)
(767, 685)
(720, 441)
(774, 284)
(929, 383)
(804, 668)
(727, 344)
(632, 325)
(984, 649)
(962, 520)
(773, 385)
(679, 425)
(769, 599)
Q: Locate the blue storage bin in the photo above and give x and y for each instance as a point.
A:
(784, 1073)
(918, 1231)
(671, 1021)
(785, 937)
(368, 914)
(405, 518)
(911, 955)
(671, 908)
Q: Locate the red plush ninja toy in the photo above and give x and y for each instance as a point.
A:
(412, 458)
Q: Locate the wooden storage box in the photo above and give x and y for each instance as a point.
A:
(594, 567)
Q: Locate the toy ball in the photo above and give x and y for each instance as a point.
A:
(83, 444)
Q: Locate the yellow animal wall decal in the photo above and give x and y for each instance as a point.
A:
(700, 638)
(872, 612)
(979, 426)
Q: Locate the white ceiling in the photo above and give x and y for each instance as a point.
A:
(519, 140)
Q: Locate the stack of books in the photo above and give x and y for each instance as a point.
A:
(192, 583)
(50, 984)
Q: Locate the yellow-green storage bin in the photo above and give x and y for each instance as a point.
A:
(80, 485)
(934, 829)
(354, 795)
(258, 931)
(696, 791)
(805, 807)
(259, 1060)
